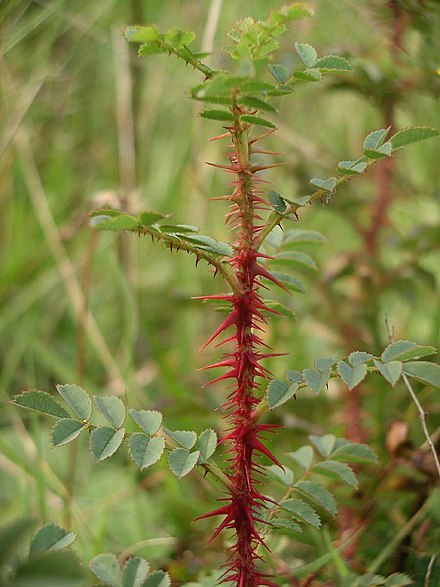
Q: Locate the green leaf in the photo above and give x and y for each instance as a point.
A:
(323, 444)
(78, 400)
(51, 537)
(147, 218)
(121, 222)
(106, 567)
(157, 579)
(303, 456)
(307, 53)
(66, 430)
(207, 243)
(281, 523)
(294, 376)
(178, 228)
(222, 115)
(279, 308)
(181, 461)
(391, 371)
(277, 201)
(308, 75)
(358, 357)
(302, 511)
(411, 135)
(352, 376)
(383, 151)
(12, 536)
(316, 380)
(178, 39)
(352, 167)
(423, 371)
(141, 34)
(278, 392)
(279, 72)
(253, 102)
(295, 258)
(405, 350)
(322, 364)
(332, 63)
(41, 402)
(186, 438)
(135, 571)
(145, 451)
(318, 494)
(353, 452)
(284, 475)
(375, 139)
(292, 283)
(207, 443)
(258, 121)
(337, 470)
(112, 408)
(105, 441)
(149, 420)
(297, 236)
(324, 184)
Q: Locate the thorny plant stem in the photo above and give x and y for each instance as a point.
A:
(246, 317)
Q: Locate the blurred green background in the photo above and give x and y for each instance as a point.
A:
(85, 123)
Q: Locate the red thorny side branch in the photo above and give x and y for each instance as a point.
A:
(247, 319)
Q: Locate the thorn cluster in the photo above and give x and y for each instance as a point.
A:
(243, 363)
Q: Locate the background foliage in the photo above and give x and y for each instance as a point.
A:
(68, 80)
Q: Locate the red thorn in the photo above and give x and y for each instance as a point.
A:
(259, 446)
(223, 136)
(229, 321)
(264, 273)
